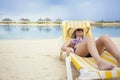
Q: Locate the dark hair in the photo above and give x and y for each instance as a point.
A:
(74, 33)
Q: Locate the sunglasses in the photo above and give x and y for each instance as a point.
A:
(79, 29)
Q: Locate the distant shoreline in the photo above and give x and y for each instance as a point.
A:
(105, 24)
(45, 24)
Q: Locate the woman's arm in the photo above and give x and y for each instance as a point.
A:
(67, 47)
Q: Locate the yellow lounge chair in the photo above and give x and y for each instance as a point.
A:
(87, 66)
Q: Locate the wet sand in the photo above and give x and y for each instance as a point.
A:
(33, 60)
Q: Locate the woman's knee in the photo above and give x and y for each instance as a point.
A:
(104, 37)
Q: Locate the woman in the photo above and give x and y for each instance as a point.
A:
(86, 47)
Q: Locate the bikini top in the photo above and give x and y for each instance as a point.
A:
(77, 40)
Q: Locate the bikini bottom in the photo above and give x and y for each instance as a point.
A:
(89, 55)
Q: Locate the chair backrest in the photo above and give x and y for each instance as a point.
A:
(74, 24)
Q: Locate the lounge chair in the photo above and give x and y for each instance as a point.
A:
(87, 66)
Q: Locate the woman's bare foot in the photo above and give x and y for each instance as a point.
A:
(104, 65)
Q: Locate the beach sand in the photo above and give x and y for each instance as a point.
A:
(34, 60)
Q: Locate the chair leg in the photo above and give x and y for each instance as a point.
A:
(68, 67)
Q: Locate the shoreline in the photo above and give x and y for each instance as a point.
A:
(105, 24)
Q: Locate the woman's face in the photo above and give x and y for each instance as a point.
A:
(79, 33)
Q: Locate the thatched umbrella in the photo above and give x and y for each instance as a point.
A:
(40, 20)
(24, 20)
(58, 21)
(7, 20)
(47, 20)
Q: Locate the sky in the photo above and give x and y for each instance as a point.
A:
(94, 10)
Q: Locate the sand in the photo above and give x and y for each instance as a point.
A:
(33, 59)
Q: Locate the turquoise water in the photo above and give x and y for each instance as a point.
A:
(46, 32)
(29, 32)
(111, 31)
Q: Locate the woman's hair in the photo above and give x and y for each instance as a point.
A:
(74, 33)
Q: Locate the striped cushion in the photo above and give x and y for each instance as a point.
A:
(90, 65)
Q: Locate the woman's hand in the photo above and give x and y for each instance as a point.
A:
(68, 50)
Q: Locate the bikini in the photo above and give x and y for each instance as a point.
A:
(78, 40)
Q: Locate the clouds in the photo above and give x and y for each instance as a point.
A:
(33, 5)
(64, 9)
(86, 4)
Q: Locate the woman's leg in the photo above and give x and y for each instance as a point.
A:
(89, 45)
(81, 49)
(95, 48)
(106, 42)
